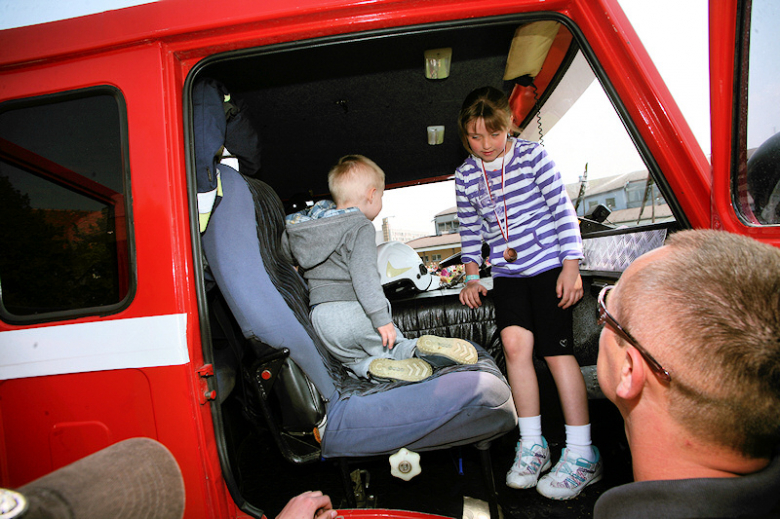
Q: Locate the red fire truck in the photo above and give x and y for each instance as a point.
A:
(108, 329)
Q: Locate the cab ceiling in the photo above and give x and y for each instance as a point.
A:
(313, 105)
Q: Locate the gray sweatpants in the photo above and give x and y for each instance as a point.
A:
(347, 332)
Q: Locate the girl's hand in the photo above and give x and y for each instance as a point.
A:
(569, 285)
(470, 295)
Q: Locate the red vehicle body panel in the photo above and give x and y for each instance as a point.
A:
(147, 52)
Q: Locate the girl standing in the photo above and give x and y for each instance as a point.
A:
(511, 195)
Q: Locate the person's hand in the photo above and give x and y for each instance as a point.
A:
(470, 295)
(569, 285)
(309, 505)
(388, 335)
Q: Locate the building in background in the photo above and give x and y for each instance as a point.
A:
(632, 199)
(389, 233)
(443, 244)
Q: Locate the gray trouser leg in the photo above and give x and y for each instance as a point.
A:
(347, 332)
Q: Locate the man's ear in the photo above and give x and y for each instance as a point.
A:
(632, 375)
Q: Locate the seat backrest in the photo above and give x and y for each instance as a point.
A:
(264, 292)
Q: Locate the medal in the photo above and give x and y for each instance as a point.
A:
(510, 254)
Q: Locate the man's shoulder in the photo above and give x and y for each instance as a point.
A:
(752, 495)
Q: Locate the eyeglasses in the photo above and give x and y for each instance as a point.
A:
(606, 318)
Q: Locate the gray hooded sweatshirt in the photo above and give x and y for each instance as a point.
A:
(338, 259)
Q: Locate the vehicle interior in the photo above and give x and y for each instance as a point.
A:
(374, 94)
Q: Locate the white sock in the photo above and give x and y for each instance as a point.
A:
(578, 441)
(530, 430)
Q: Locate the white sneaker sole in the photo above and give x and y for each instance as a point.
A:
(456, 350)
(407, 370)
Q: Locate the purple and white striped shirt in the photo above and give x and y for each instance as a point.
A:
(543, 227)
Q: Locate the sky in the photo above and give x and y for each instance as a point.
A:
(19, 13)
(571, 141)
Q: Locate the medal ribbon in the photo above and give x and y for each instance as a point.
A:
(503, 196)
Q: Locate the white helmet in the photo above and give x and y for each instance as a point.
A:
(401, 269)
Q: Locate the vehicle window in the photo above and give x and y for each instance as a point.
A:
(757, 177)
(62, 200)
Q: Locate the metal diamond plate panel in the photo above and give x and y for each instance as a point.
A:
(615, 253)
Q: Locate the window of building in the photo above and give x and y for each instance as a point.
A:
(63, 205)
(635, 192)
(447, 227)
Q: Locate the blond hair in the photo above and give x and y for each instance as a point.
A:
(352, 176)
(710, 312)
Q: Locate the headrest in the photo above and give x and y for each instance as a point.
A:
(219, 120)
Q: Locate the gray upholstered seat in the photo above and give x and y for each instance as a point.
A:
(457, 405)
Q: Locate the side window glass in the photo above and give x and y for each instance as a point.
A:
(62, 206)
(757, 179)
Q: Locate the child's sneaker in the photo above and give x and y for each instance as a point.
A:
(407, 370)
(446, 351)
(528, 465)
(570, 476)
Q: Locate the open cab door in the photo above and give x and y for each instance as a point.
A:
(744, 77)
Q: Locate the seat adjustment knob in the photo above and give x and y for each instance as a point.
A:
(405, 464)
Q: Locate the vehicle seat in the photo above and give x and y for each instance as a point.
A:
(458, 405)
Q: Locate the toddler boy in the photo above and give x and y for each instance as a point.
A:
(334, 245)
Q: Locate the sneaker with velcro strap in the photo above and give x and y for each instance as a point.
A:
(570, 476)
(529, 463)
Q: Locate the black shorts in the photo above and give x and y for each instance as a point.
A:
(531, 303)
